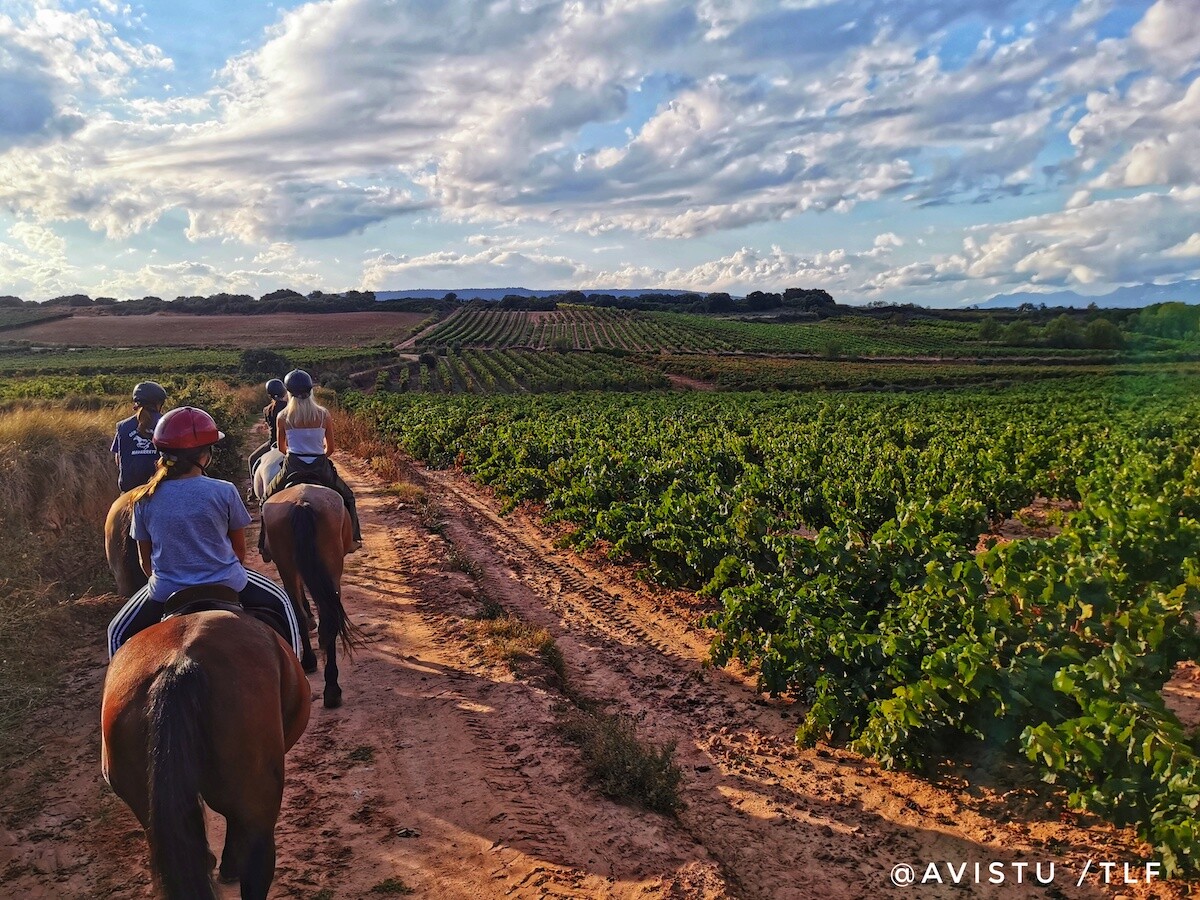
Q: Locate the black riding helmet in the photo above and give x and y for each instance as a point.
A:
(298, 383)
(149, 393)
(275, 388)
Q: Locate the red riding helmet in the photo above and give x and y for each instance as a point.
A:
(186, 428)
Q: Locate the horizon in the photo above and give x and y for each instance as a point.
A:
(912, 151)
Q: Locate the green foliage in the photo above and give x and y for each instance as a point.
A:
(1179, 321)
(264, 362)
(1101, 334)
(842, 538)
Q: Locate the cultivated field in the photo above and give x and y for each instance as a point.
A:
(640, 642)
(277, 330)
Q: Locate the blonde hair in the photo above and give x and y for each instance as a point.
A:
(164, 469)
(304, 412)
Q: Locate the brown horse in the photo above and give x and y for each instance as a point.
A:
(204, 706)
(121, 549)
(308, 533)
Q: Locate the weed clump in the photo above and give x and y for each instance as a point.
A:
(623, 767)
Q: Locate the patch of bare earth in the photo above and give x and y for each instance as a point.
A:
(445, 772)
(684, 383)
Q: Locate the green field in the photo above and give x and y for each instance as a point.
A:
(22, 316)
(23, 359)
(843, 540)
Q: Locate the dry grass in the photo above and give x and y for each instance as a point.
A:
(57, 480)
(509, 640)
(622, 766)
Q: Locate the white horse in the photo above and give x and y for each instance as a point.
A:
(266, 469)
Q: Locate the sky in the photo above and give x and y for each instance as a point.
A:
(930, 151)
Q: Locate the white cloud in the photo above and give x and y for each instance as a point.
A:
(1127, 241)
(39, 240)
(186, 278)
(356, 111)
(1170, 34)
(488, 268)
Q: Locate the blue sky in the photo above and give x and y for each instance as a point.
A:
(935, 151)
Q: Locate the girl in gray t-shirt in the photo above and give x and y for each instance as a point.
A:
(190, 531)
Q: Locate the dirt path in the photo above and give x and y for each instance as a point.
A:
(446, 774)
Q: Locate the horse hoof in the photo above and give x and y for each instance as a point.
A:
(312, 624)
(227, 877)
(332, 701)
(310, 664)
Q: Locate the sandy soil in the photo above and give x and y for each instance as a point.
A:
(448, 773)
(174, 330)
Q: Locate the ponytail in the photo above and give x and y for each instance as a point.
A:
(167, 467)
(162, 471)
(147, 418)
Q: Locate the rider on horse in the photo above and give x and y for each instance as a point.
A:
(305, 435)
(190, 531)
(132, 445)
(277, 393)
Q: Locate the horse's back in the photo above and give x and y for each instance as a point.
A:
(254, 687)
(331, 519)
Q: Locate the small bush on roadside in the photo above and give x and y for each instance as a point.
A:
(622, 766)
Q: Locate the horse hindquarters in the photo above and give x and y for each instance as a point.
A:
(205, 704)
(325, 593)
(305, 529)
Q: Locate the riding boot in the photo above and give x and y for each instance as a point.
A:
(351, 507)
(262, 541)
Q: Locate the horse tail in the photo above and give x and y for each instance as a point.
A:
(178, 844)
(334, 623)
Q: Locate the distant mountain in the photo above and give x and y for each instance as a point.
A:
(501, 293)
(1122, 298)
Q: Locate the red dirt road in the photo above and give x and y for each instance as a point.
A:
(449, 775)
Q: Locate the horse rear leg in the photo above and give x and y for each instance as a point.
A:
(258, 867)
(231, 856)
(333, 691)
(295, 591)
(248, 858)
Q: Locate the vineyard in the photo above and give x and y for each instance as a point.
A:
(574, 329)
(936, 554)
(589, 328)
(741, 373)
(846, 544)
(519, 371)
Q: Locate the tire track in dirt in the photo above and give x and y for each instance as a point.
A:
(781, 822)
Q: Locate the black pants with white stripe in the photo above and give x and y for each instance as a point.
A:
(260, 592)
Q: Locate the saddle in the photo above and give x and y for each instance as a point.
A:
(220, 598)
(320, 472)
